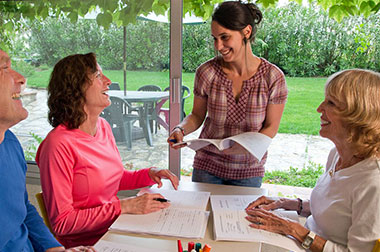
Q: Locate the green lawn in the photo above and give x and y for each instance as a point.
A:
(300, 115)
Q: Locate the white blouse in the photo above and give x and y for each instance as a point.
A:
(345, 205)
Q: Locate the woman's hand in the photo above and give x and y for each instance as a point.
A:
(268, 203)
(263, 219)
(81, 248)
(235, 149)
(143, 204)
(157, 174)
(75, 249)
(264, 203)
(176, 136)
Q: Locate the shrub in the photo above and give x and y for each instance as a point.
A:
(198, 46)
(303, 41)
(43, 67)
(23, 68)
(31, 149)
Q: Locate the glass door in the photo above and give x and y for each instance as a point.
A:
(135, 58)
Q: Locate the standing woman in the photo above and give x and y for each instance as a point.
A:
(239, 92)
(80, 165)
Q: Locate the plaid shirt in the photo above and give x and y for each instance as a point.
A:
(226, 117)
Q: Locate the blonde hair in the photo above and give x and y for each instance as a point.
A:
(359, 91)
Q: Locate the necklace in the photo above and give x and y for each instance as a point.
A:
(340, 165)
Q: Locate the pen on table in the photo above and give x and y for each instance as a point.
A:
(161, 200)
(198, 246)
(206, 248)
(190, 246)
(179, 245)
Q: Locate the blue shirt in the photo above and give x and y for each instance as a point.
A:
(21, 227)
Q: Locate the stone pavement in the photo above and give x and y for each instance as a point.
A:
(286, 149)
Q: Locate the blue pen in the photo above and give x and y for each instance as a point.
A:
(173, 140)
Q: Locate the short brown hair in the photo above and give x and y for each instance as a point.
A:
(66, 90)
(359, 91)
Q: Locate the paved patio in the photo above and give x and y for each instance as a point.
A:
(286, 149)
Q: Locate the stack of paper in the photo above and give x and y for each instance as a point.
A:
(186, 217)
(230, 223)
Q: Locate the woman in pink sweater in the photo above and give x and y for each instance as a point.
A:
(80, 165)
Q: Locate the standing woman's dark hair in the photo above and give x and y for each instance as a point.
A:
(66, 90)
(235, 15)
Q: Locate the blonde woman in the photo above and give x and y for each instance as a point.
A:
(344, 208)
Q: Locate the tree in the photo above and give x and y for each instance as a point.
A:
(123, 12)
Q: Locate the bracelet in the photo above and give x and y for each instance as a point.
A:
(180, 128)
(300, 208)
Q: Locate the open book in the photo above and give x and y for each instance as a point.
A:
(230, 223)
(254, 142)
(186, 217)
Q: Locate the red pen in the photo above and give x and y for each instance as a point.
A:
(190, 246)
(179, 246)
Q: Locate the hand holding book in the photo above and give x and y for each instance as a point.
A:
(254, 142)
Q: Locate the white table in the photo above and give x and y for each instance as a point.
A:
(162, 243)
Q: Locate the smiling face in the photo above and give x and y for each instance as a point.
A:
(332, 126)
(96, 94)
(229, 43)
(11, 109)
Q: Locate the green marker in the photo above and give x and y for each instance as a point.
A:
(198, 246)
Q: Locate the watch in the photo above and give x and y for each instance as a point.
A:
(306, 244)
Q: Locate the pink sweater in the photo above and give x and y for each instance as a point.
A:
(80, 177)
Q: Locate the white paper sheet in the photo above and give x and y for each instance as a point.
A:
(189, 223)
(237, 202)
(186, 217)
(182, 199)
(106, 246)
(230, 223)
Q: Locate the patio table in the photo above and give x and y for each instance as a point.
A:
(144, 97)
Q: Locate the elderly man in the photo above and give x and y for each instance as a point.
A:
(22, 229)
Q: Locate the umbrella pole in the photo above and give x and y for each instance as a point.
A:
(124, 59)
